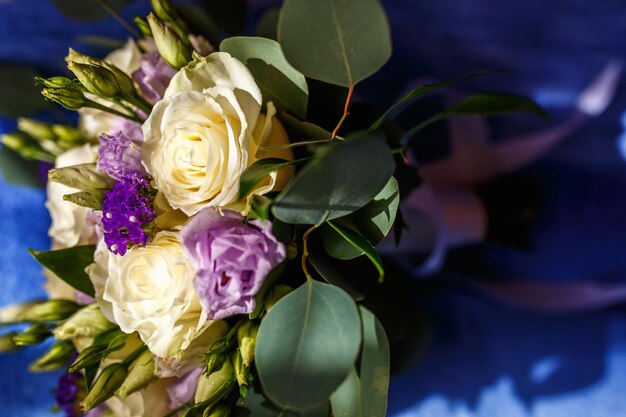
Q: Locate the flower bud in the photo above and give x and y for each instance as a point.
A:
(246, 338)
(51, 310)
(68, 136)
(34, 335)
(96, 79)
(241, 372)
(7, 344)
(173, 50)
(140, 375)
(275, 294)
(109, 380)
(143, 26)
(55, 82)
(55, 358)
(95, 353)
(219, 411)
(212, 387)
(70, 98)
(164, 10)
(88, 321)
(124, 81)
(36, 129)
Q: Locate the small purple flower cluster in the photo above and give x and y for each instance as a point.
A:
(126, 209)
(66, 392)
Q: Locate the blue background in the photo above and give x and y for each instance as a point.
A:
(484, 359)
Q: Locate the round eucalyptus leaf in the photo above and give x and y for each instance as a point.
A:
(306, 346)
(338, 181)
(279, 82)
(340, 42)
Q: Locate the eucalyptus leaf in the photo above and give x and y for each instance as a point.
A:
(340, 42)
(374, 221)
(423, 90)
(303, 131)
(333, 275)
(69, 265)
(90, 198)
(82, 177)
(364, 392)
(316, 327)
(268, 24)
(481, 104)
(337, 182)
(279, 82)
(361, 244)
(89, 10)
(18, 94)
(257, 405)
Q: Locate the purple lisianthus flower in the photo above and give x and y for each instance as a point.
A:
(153, 76)
(119, 154)
(126, 209)
(183, 389)
(232, 260)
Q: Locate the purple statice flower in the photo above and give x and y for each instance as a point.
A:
(66, 393)
(232, 260)
(126, 209)
(119, 154)
(183, 389)
(153, 76)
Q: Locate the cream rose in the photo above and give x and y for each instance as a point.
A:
(70, 223)
(150, 290)
(206, 131)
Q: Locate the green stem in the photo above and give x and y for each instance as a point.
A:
(134, 355)
(98, 106)
(305, 251)
(141, 104)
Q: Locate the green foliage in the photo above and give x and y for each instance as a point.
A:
(82, 177)
(257, 405)
(364, 392)
(421, 91)
(481, 104)
(373, 222)
(88, 10)
(90, 198)
(279, 82)
(340, 42)
(69, 265)
(268, 24)
(337, 181)
(303, 131)
(259, 171)
(362, 245)
(18, 94)
(316, 327)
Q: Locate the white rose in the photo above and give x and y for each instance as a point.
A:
(71, 224)
(150, 290)
(148, 402)
(93, 122)
(206, 131)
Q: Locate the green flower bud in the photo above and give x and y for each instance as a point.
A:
(7, 344)
(109, 380)
(219, 411)
(96, 79)
(143, 26)
(124, 81)
(211, 388)
(246, 338)
(173, 50)
(36, 129)
(55, 82)
(95, 353)
(34, 335)
(51, 310)
(241, 372)
(68, 136)
(140, 375)
(275, 294)
(70, 98)
(55, 358)
(164, 10)
(88, 321)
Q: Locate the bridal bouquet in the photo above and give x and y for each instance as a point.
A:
(211, 228)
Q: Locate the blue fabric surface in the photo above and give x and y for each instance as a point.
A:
(483, 359)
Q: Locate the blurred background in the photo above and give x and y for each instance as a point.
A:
(515, 296)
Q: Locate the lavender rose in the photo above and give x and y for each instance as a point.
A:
(153, 76)
(232, 260)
